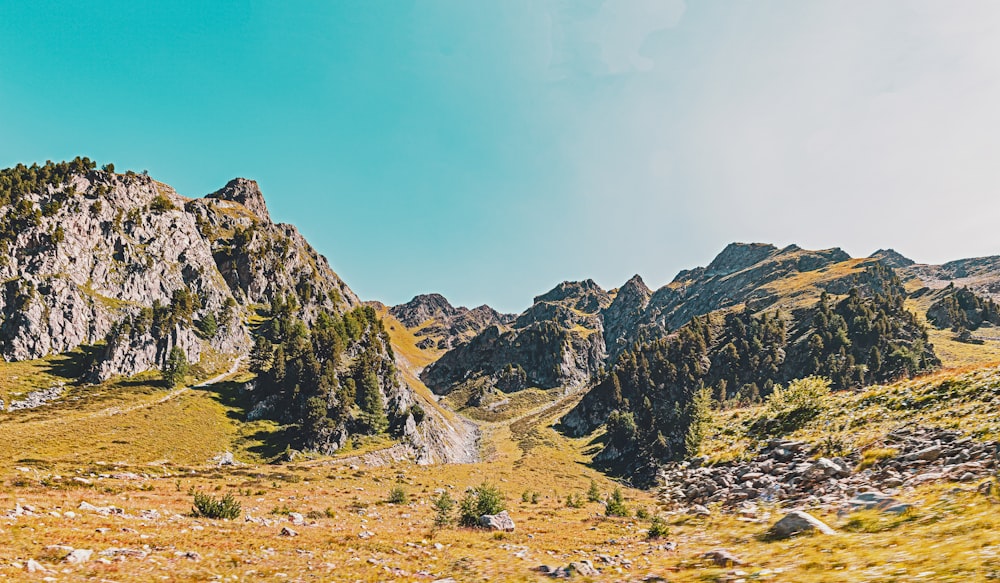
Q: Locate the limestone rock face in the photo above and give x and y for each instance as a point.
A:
(115, 255)
(118, 244)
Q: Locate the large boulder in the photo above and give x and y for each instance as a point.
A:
(502, 522)
(797, 522)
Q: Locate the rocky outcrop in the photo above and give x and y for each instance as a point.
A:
(245, 192)
(100, 248)
(107, 246)
(892, 258)
(558, 341)
(979, 274)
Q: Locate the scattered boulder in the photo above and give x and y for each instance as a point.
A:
(33, 566)
(797, 522)
(78, 556)
(502, 522)
(722, 558)
(285, 531)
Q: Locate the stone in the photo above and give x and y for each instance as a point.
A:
(927, 454)
(722, 558)
(285, 531)
(502, 522)
(78, 556)
(797, 522)
(582, 568)
(33, 566)
(296, 518)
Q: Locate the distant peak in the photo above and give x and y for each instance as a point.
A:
(635, 283)
(245, 192)
(892, 258)
(569, 289)
(738, 256)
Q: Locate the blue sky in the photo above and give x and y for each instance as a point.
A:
(489, 150)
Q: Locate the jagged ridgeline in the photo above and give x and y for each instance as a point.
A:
(122, 265)
(653, 397)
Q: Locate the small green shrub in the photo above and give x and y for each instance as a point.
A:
(208, 506)
(658, 528)
(616, 504)
(574, 501)
(398, 496)
(443, 506)
(481, 500)
(161, 204)
(642, 513)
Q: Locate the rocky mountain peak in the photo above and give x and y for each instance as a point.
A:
(738, 256)
(583, 295)
(892, 258)
(245, 192)
(635, 286)
(422, 308)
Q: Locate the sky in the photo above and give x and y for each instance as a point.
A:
(488, 150)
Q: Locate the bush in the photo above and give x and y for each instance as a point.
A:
(208, 506)
(658, 528)
(481, 500)
(789, 409)
(398, 496)
(443, 505)
(574, 501)
(642, 513)
(616, 504)
(161, 204)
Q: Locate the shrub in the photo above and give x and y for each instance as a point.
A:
(483, 499)
(398, 496)
(642, 513)
(788, 409)
(574, 501)
(208, 506)
(443, 505)
(418, 413)
(616, 504)
(161, 204)
(658, 528)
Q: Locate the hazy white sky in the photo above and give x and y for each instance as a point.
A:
(489, 150)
